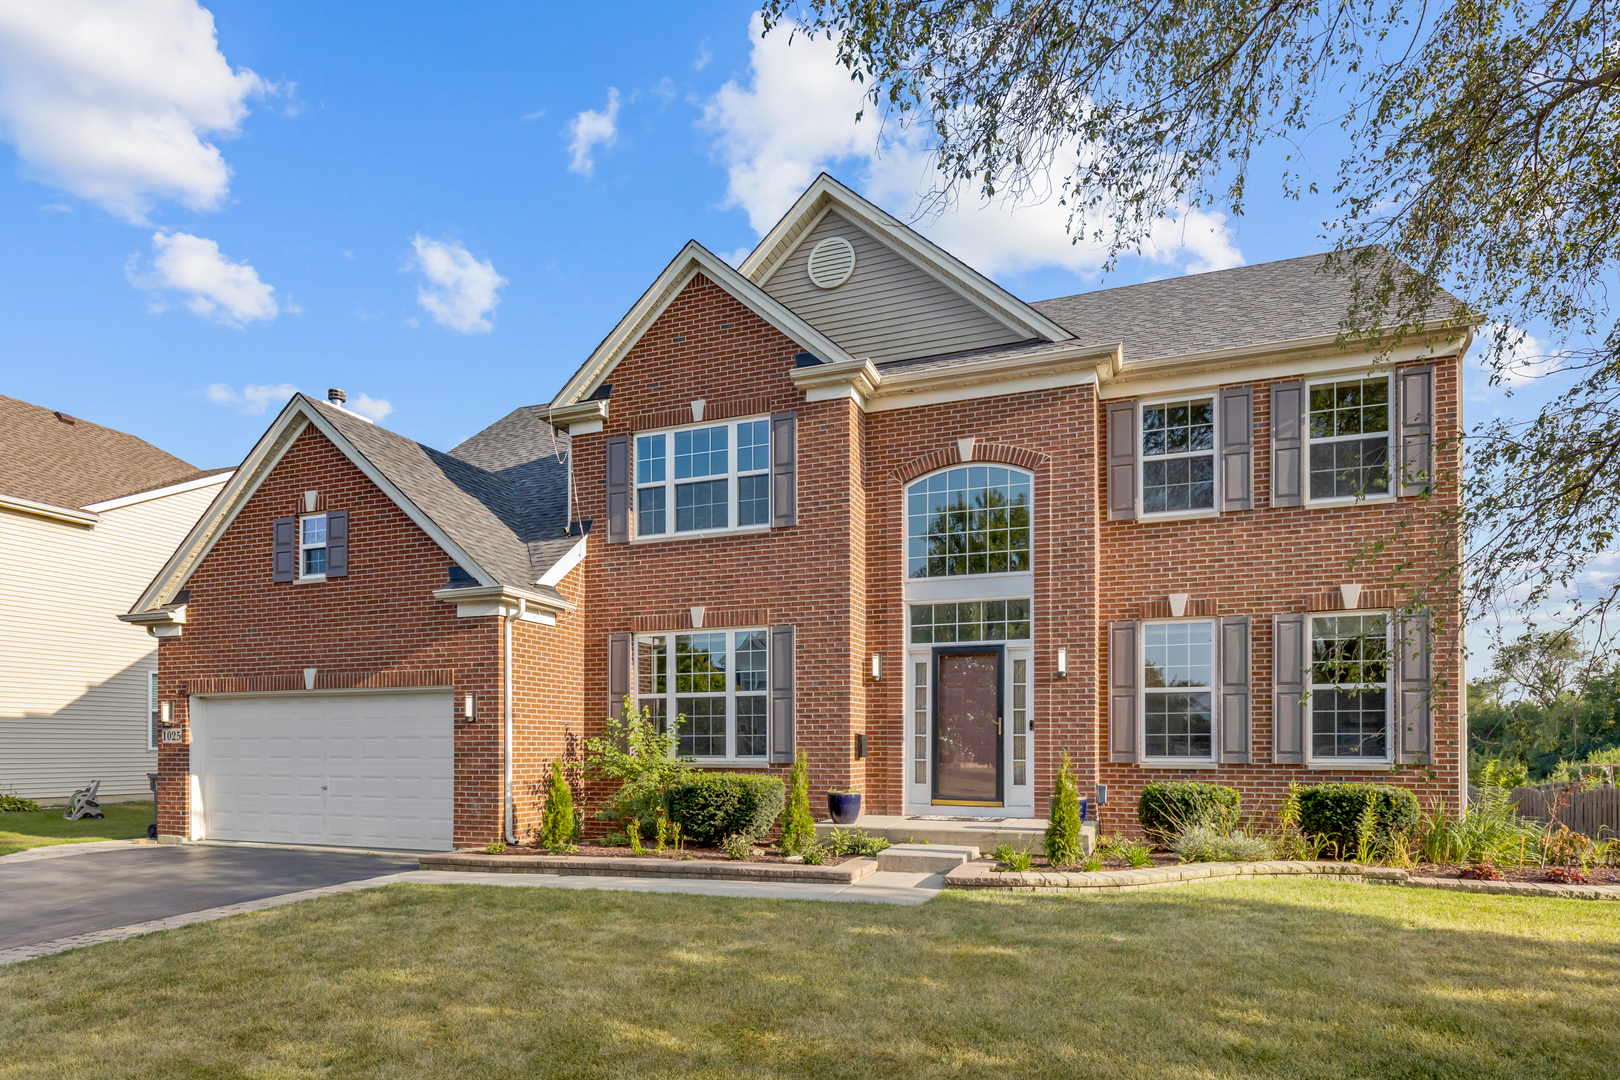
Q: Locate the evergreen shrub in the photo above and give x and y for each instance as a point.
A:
(709, 807)
(1333, 812)
(1063, 822)
(558, 824)
(1167, 807)
(798, 827)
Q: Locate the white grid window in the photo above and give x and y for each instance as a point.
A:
(709, 478)
(1178, 669)
(1349, 690)
(968, 521)
(1178, 456)
(711, 686)
(1349, 438)
(312, 546)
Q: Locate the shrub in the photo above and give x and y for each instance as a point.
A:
(798, 827)
(1017, 859)
(712, 806)
(854, 842)
(1137, 855)
(17, 804)
(739, 847)
(1167, 807)
(557, 823)
(1336, 813)
(1063, 826)
(497, 848)
(642, 759)
(1206, 843)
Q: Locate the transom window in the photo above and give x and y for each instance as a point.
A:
(973, 520)
(703, 479)
(714, 692)
(1349, 438)
(1178, 456)
(1349, 686)
(312, 546)
(973, 620)
(1178, 668)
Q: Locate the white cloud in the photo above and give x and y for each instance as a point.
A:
(253, 399)
(371, 408)
(1524, 357)
(215, 288)
(534, 115)
(796, 117)
(114, 100)
(705, 54)
(589, 130)
(461, 292)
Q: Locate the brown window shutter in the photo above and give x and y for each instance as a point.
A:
(618, 490)
(1414, 397)
(620, 658)
(781, 677)
(1122, 448)
(1288, 444)
(784, 470)
(1290, 658)
(1234, 689)
(1124, 683)
(285, 546)
(337, 543)
(1237, 449)
(1414, 730)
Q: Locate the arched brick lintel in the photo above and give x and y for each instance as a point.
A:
(1000, 453)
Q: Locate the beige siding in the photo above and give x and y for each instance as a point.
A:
(73, 704)
(889, 309)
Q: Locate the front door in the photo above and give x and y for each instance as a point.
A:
(967, 726)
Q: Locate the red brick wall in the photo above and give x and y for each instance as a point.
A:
(548, 700)
(379, 622)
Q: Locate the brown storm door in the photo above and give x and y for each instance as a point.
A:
(967, 726)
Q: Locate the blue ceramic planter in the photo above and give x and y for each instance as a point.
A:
(844, 807)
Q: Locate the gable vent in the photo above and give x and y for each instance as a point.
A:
(831, 262)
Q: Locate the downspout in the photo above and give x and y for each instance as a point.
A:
(506, 712)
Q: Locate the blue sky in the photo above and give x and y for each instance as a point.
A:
(360, 146)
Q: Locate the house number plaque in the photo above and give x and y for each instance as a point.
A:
(174, 735)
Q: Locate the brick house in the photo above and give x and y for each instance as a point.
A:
(853, 500)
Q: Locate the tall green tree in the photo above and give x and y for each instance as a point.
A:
(1483, 151)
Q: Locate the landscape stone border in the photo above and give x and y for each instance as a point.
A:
(982, 875)
(845, 873)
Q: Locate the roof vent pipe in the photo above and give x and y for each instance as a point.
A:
(336, 397)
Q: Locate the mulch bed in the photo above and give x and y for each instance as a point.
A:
(1598, 875)
(597, 851)
(1160, 858)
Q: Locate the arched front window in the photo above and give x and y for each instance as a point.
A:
(972, 520)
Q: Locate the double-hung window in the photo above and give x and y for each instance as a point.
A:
(710, 687)
(312, 546)
(1178, 670)
(704, 479)
(1178, 456)
(1349, 438)
(1349, 687)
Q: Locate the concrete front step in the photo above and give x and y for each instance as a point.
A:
(925, 858)
(983, 834)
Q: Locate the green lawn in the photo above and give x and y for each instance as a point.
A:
(1263, 978)
(124, 821)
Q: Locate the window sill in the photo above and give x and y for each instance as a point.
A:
(702, 534)
(1177, 515)
(1350, 765)
(313, 579)
(730, 763)
(1326, 504)
(1171, 763)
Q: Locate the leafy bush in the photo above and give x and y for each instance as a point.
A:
(557, 823)
(854, 842)
(1063, 824)
(642, 759)
(712, 806)
(497, 848)
(1014, 858)
(1565, 771)
(812, 855)
(798, 827)
(1137, 855)
(1167, 807)
(739, 847)
(1206, 843)
(1338, 812)
(16, 804)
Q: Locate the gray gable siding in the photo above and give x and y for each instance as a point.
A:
(889, 309)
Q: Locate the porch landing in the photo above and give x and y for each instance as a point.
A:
(982, 833)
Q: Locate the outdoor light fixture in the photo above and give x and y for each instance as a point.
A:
(165, 716)
(877, 667)
(1063, 663)
(469, 707)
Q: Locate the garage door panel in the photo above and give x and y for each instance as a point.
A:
(341, 769)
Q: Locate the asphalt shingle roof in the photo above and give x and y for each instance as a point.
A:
(47, 459)
(501, 495)
(1224, 309)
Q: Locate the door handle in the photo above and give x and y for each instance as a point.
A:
(998, 725)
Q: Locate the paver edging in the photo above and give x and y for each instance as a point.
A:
(846, 873)
(980, 875)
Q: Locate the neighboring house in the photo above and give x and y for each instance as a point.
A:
(87, 516)
(853, 500)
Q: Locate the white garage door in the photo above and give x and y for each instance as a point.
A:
(348, 770)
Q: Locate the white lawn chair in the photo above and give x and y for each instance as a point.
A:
(83, 804)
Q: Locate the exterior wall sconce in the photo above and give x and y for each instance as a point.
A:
(877, 667)
(1063, 663)
(165, 714)
(469, 707)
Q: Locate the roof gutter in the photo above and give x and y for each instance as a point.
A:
(46, 510)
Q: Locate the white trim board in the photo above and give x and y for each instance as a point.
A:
(162, 492)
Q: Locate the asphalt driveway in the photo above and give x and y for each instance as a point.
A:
(45, 899)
